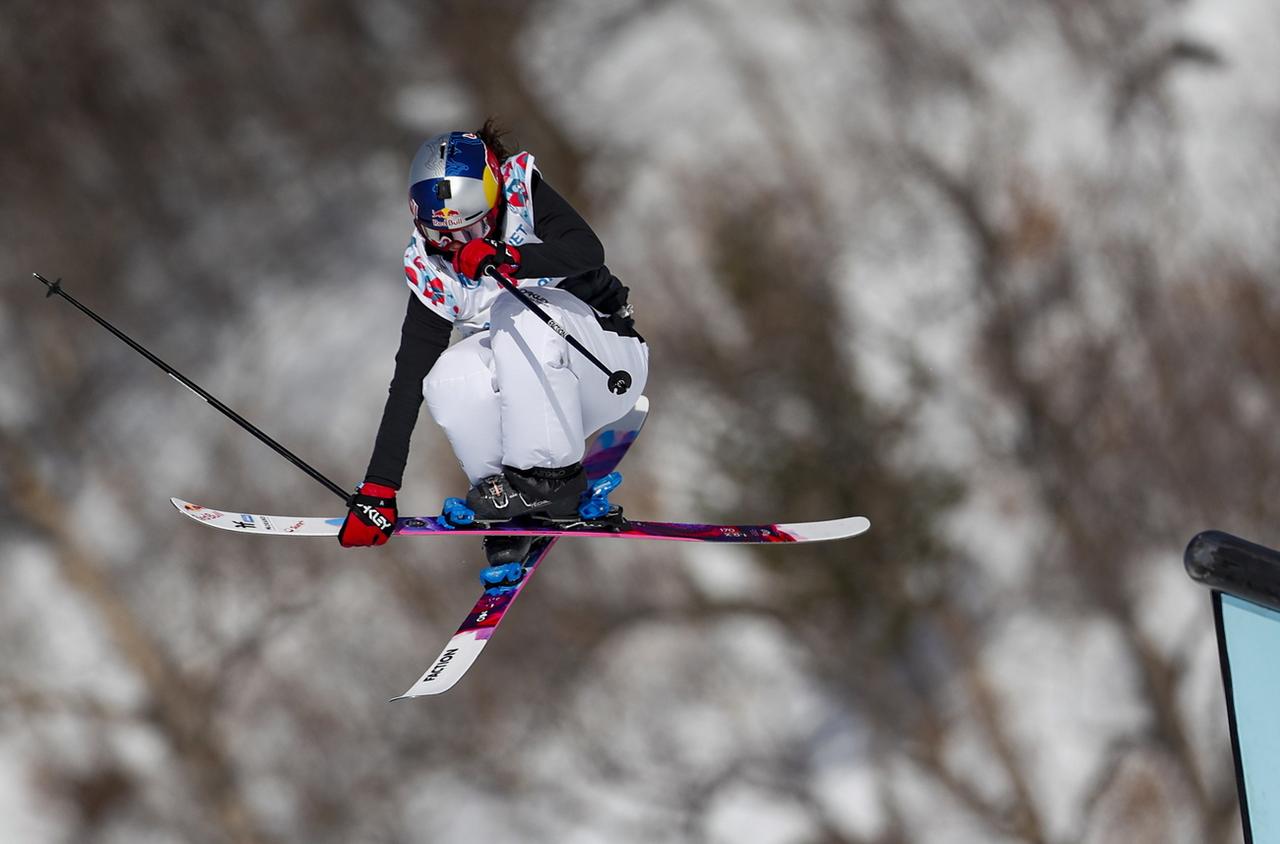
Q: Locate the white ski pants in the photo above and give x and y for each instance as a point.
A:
(520, 395)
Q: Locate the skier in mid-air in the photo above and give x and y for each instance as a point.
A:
(515, 400)
(548, 354)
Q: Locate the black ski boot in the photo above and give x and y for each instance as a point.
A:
(500, 550)
(506, 556)
(548, 493)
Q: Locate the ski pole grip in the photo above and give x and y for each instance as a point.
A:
(619, 382)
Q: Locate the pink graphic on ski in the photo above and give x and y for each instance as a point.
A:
(475, 631)
(675, 531)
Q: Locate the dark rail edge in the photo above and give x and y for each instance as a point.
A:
(1236, 566)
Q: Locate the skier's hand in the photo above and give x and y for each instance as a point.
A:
(371, 516)
(477, 256)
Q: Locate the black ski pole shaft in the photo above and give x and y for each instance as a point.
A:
(619, 380)
(56, 287)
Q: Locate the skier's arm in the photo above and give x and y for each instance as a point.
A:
(423, 337)
(569, 247)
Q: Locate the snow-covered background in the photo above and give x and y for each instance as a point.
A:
(1000, 275)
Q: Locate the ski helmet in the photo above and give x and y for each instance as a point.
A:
(454, 188)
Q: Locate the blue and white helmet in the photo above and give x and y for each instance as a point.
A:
(455, 188)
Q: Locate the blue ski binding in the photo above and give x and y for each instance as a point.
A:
(455, 513)
(595, 503)
(498, 580)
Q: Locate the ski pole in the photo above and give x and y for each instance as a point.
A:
(56, 287)
(619, 379)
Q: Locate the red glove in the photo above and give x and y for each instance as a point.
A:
(371, 516)
(476, 256)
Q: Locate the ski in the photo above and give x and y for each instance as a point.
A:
(614, 529)
(603, 456)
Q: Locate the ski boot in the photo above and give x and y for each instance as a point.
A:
(501, 550)
(552, 494)
(506, 556)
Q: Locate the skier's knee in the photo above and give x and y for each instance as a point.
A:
(454, 377)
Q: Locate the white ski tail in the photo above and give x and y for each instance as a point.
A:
(824, 531)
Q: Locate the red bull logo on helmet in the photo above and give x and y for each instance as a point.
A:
(446, 218)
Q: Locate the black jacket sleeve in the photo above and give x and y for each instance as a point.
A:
(423, 337)
(569, 247)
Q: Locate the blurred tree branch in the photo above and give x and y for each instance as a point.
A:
(178, 703)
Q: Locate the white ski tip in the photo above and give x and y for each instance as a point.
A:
(449, 667)
(256, 522)
(823, 531)
(202, 514)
